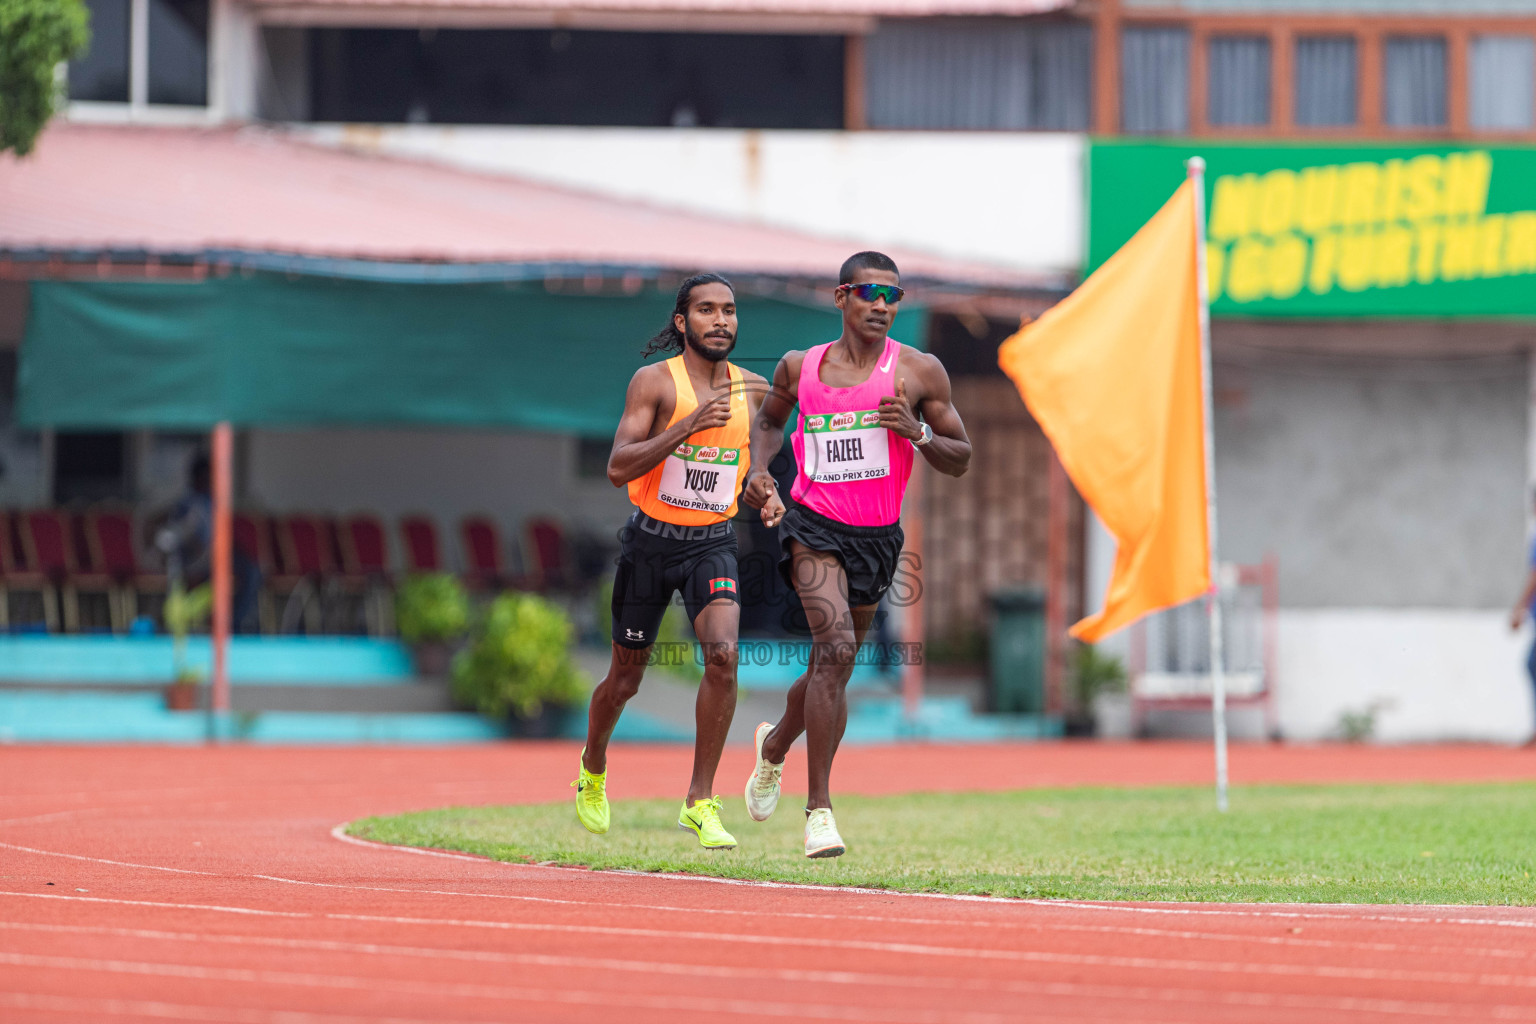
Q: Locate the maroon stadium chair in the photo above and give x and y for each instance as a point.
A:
(483, 566)
(363, 547)
(48, 538)
(304, 545)
(418, 542)
(364, 550)
(551, 557)
(305, 555)
(109, 536)
(18, 576)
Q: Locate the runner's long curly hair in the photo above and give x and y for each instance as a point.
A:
(669, 339)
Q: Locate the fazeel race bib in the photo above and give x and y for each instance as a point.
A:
(699, 477)
(843, 446)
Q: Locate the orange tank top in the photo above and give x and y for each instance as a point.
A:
(698, 482)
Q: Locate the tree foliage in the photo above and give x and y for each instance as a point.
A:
(35, 37)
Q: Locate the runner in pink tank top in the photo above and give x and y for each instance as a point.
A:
(867, 403)
(851, 468)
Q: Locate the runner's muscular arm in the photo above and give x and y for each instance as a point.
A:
(768, 437)
(950, 450)
(635, 452)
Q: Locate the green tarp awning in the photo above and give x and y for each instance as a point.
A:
(271, 350)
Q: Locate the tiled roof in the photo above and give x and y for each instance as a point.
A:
(804, 8)
(182, 191)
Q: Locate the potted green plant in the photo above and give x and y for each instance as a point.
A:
(184, 610)
(432, 611)
(518, 666)
(1099, 685)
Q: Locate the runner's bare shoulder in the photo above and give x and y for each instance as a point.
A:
(755, 383)
(652, 385)
(790, 363)
(924, 366)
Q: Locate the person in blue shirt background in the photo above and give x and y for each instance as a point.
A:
(1527, 606)
(189, 533)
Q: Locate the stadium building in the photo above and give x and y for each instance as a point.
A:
(1373, 253)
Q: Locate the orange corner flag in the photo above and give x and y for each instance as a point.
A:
(1113, 375)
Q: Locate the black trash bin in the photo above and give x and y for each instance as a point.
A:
(1018, 651)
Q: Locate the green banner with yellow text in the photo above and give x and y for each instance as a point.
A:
(1350, 230)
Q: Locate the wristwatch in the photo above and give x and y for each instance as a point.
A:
(924, 436)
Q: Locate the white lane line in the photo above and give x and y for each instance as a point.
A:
(158, 1010)
(1248, 910)
(1242, 910)
(1255, 910)
(1140, 932)
(689, 1003)
(893, 948)
(1236, 910)
(1076, 990)
(339, 832)
(1137, 994)
(1038, 926)
(155, 903)
(54, 815)
(104, 860)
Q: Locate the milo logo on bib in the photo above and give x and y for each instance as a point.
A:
(846, 446)
(700, 477)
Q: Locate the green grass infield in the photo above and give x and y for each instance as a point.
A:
(1320, 844)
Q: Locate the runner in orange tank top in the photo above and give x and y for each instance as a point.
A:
(682, 448)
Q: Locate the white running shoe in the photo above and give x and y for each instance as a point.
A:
(763, 786)
(821, 838)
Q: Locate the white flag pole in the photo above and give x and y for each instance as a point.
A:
(1196, 168)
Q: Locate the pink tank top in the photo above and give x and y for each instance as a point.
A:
(851, 469)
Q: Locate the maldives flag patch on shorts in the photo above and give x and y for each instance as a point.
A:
(722, 584)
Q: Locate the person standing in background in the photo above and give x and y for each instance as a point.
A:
(1523, 607)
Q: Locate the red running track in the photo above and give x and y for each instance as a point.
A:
(206, 885)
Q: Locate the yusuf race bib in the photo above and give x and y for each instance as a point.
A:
(699, 477)
(843, 446)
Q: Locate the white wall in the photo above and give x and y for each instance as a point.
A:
(1391, 489)
(1013, 199)
(1437, 674)
(1380, 482)
(445, 473)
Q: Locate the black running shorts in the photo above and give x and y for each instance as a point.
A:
(659, 559)
(869, 554)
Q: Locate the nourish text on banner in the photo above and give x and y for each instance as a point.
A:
(1340, 231)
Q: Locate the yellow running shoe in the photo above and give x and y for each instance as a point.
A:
(703, 820)
(592, 799)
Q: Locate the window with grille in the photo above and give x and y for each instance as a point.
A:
(1502, 83)
(979, 74)
(102, 73)
(1239, 81)
(178, 52)
(144, 51)
(1413, 86)
(1327, 81)
(1154, 80)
